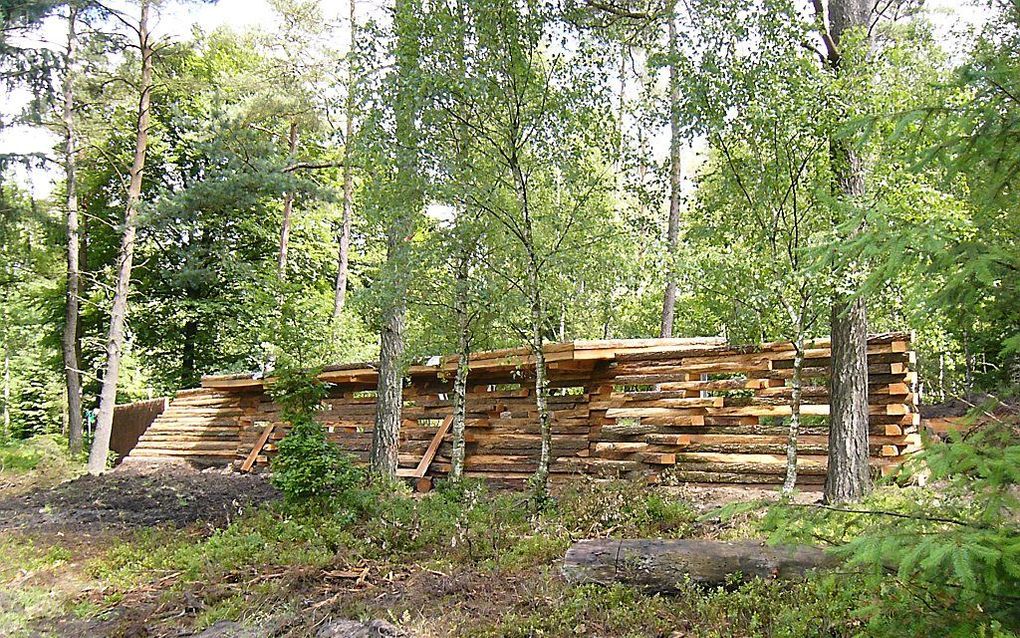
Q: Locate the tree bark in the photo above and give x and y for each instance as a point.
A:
(189, 376)
(288, 207)
(675, 182)
(6, 433)
(463, 368)
(795, 400)
(541, 477)
(848, 477)
(69, 339)
(663, 565)
(390, 392)
(118, 312)
(344, 241)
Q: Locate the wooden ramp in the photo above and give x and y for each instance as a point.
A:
(200, 427)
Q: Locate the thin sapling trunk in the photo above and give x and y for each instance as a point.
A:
(675, 183)
(463, 367)
(796, 391)
(69, 338)
(288, 208)
(344, 241)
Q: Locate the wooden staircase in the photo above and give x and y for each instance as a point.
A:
(200, 427)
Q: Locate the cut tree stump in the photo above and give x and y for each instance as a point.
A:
(663, 565)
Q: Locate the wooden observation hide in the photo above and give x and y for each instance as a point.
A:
(687, 410)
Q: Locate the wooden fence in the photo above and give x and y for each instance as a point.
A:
(131, 420)
(694, 410)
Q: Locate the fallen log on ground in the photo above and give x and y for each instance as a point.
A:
(663, 565)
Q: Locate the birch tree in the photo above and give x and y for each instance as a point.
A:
(533, 120)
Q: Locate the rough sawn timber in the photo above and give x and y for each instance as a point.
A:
(662, 565)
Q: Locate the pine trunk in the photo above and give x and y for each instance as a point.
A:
(118, 312)
(189, 371)
(69, 339)
(847, 478)
(288, 208)
(6, 433)
(675, 182)
(407, 203)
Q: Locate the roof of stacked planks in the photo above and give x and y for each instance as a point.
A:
(568, 355)
(580, 354)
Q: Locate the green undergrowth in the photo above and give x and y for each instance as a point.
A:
(38, 461)
(464, 525)
(498, 559)
(28, 590)
(759, 608)
(942, 559)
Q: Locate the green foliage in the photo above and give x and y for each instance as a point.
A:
(38, 452)
(622, 509)
(944, 558)
(307, 466)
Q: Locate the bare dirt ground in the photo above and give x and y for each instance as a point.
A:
(136, 496)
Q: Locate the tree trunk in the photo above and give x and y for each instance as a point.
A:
(541, 477)
(848, 478)
(69, 339)
(288, 207)
(663, 565)
(118, 313)
(463, 367)
(343, 260)
(6, 433)
(795, 399)
(675, 180)
(407, 203)
(390, 393)
(189, 375)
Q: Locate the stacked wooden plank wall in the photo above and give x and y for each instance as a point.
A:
(718, 415)
(200, 426)
(131, 420)
(700, 413)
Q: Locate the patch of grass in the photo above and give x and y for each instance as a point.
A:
(38, 462)
(757, 609)
(22, 555)
(623, 509)
(19, 456)
(20, 606)
(230, 608)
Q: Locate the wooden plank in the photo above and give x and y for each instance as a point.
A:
(430, 453)
(658, 458)
(257, 448)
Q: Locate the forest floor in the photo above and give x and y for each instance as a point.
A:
(167, 551)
